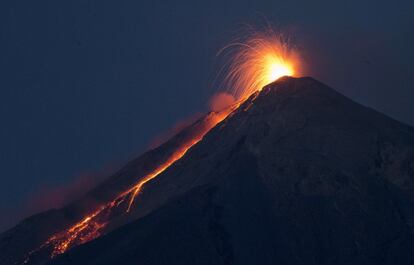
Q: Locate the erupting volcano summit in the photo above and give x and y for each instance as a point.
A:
(253, 64)
(256, 61)
(290, 173)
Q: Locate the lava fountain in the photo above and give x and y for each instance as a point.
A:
(257, 59)
(251, 64)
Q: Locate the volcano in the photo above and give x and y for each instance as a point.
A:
(296, 174)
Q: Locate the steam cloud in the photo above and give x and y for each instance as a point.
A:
(179, 126)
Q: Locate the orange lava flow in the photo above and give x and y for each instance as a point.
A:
(176, 156)
(212, 121)
(90, 227)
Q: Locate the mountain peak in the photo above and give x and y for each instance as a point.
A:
(297, 174)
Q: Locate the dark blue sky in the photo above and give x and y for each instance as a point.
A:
(85, 85)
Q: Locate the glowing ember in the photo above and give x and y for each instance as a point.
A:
(255, 61)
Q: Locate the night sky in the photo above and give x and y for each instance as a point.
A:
(87, 85)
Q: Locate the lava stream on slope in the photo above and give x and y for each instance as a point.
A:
(92, 225)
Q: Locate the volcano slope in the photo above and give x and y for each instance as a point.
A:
(298, 174)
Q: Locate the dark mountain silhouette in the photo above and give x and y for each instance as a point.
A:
(298, 174)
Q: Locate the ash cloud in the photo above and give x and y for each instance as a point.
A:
(176, 128)
(55, 196)
(48, 197)
(221, 101)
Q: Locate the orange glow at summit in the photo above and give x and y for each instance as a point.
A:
(256, 61)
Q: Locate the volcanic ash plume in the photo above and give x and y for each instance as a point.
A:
(221, 101)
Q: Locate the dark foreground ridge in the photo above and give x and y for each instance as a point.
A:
(298, 175)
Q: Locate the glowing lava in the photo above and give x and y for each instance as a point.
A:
(93, 225)
(255, 61)
(209, 122)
